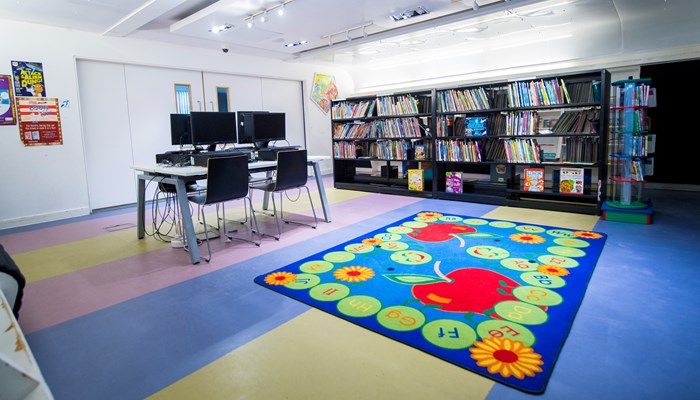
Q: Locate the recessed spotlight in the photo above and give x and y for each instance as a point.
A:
(409, 14)
(220, 28)
(295, 44)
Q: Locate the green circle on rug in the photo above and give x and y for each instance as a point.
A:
(520, 264)
(401, 318)
(488, 252)
(559, 261)
(571, 242)
(411, 257)
(329, 292)
(537, 295)
(359, 248)
(449, 334)
(304, 281)
(529, 228)
(522, 313)
(359, 306)
(416, 224)
(338, 256)
(388, 237)
(542, 280)
(316, 267)
(451, 218)
(502, 224)
(505, 329)
(399, 229)
(393, 246)
(560, 233)
(425, 219)
(475, 221)
(566, 251)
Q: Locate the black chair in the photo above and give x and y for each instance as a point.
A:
(227, 180)
(291, 173)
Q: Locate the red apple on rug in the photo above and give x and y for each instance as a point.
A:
(440, 232)
(468, 290)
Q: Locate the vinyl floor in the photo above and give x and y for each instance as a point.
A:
(111, 317)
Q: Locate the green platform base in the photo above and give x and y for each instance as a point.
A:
(635, 216)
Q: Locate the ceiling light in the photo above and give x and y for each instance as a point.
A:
(294, 44)
(409, 14)
(280, 10)
(220, 28)
(263, 17)
(250, 23)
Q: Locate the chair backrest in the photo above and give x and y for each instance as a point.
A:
(292, 169)
(227, 178)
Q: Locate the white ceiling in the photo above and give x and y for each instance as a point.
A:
(361, 31)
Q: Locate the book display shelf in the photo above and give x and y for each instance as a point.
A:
(489, 135)
(629, 147)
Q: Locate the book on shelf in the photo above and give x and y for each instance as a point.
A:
(419, 152)
(571, 181)
(453, 182)
(533, 180)
(415, 179)
(476, 126)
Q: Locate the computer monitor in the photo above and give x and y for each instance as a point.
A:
(180, 129)
(210, 128)
(260, 128)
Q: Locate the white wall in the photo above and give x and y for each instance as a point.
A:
(44, 183)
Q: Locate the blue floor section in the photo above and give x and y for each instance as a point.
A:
(634, 337)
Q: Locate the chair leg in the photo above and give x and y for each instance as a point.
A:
(206, 234)
(286, 221)
(255, 231)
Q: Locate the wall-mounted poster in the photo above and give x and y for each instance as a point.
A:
(324, 91)
(7, 101)
(29, 79)
(39, 121)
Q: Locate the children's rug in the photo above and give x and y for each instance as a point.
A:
(495, 297)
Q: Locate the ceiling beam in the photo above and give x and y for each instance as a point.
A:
(149, 11)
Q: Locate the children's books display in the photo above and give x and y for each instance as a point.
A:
(571, 181)
(534, 179)
(415, 179)
(453, 182)
(419, 152)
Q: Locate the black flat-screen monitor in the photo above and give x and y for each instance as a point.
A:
(260, 127)
(210, 128)
(180, 129)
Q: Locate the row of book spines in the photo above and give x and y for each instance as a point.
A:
(391, 150)
(397, 105)
(576, 121)
(630, 95)
(522, 150)
(639, 148)
(463, 100)
(581, 149)
(346, 109)
(392, 128)
(538, 93)
(457, 150)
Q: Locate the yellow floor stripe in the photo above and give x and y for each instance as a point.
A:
(319, 356)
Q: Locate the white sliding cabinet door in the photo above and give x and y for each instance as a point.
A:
(106, 135)
(286, 96)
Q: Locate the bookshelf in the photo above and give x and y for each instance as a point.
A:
(630, 144)
(550, 122)
(378, 139)
(487, 134)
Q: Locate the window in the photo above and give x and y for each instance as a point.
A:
(222, 98)
(183, 98)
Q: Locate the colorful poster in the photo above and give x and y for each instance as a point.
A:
(39, 121)
(29, 79)
(324, 91)
(7, 101)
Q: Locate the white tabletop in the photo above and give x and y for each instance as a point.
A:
(199, 171)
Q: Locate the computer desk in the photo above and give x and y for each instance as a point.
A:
(177, 176)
